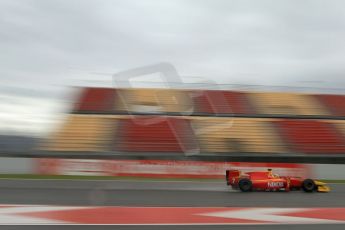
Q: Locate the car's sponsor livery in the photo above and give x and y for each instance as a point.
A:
(268, 181)
(275, 184)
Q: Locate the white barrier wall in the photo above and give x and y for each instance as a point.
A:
(328, 171)
(13, 165)
(161, 168)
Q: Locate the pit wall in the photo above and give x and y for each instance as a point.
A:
(160, 168)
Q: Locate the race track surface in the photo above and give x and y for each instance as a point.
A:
(157, 193)
(165, 194)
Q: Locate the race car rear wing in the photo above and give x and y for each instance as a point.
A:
(230, 174)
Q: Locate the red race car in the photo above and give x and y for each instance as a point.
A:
(268, 181)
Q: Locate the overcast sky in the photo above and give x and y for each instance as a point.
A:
(46, 45)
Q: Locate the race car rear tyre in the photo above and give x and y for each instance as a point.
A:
(245, 185)
(308, 185)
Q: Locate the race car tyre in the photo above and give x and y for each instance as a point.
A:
(245, 185)
(308, 185)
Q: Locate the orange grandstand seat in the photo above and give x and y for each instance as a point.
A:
(155, 100)
(155, 134)
(96, 100)
(83, 133)
(220, 102)
(286, 104)
(227, 135)
(335, 103)
(311, 136)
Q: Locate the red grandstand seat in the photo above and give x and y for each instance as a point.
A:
(221, 102)
(310, 136)
(144, 134)
(335, 103)
(96, 100)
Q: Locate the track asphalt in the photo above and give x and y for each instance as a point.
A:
(160, 193)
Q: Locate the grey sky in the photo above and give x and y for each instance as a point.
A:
(46, 45)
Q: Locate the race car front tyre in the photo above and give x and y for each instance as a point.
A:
(245, 185)
(308, 185)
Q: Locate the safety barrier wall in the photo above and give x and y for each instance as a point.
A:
(158, 168)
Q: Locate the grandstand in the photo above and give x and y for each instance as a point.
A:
(83, 133)
(286, 104)
(334, 103)
(153, 134)
(208, 121)
(231, 135)
(220, 102)
(311, 136)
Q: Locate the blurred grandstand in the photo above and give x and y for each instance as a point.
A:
(181, 121)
